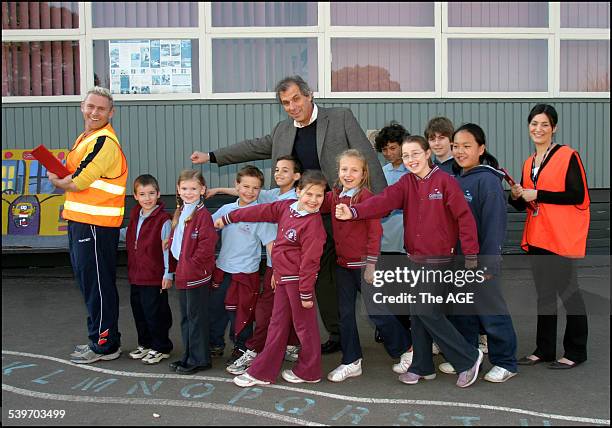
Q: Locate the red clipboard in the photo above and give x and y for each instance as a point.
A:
(511, 182)
(44, 156)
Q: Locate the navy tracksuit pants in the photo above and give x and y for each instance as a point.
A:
(397, 339)
(93, 254)
(152, 316)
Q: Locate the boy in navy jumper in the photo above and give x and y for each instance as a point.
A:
(296, 253)
(238, 266)
(148, 272)
(439, 132)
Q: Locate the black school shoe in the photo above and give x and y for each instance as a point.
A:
(188, 369)
(330, 347)
(175, 365)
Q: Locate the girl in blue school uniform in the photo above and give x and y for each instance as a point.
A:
(481, 183)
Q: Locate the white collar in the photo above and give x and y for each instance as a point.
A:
(313, 117)
(350, 193)
(300, 213)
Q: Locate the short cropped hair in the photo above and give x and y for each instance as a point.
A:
(103, 92)
(284, 84)
(250, 171)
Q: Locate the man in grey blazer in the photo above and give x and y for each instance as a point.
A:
(315, 136)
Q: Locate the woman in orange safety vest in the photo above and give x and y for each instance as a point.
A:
(554, 191)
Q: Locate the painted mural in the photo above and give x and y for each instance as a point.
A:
(31, 205)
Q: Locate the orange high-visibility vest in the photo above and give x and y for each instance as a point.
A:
(103, 202)
(561, 229)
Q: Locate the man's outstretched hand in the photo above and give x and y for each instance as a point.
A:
(200, 157)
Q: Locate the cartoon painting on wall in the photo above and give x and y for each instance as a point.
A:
(31, 205)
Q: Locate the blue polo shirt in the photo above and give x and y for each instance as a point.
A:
(241, 242)
(392, 240)
(269, 196)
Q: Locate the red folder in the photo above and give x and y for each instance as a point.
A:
(511, 182)
(50, 162)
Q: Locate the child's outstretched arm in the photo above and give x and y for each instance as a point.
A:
(377, 206)
(259, 213)
(225, 190)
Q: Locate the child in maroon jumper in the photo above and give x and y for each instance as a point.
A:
(147, 270)
(192, 247)
(296, 254)
(357, 246)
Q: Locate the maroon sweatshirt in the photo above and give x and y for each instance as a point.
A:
(357, 242)
(145, 254)
(436, 214)
(197, 260)
(298, 246)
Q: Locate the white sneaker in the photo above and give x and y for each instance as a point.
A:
(90, 356)
(154, 357)
(242, 364)
(79, 349)
(139, 352)
(447, 368)
(404, 363)
(291, 377)
(344, 371)
(246, 379)
(292, 353)
(483, 344)
(435, 349)
(499, 374)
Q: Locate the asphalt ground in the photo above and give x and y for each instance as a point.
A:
(43, 317)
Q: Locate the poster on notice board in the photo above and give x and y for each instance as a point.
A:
(150, 66)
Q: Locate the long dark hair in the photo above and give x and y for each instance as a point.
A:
(486, 158)
(546, 109)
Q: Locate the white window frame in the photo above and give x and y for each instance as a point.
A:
(315, 31)
(324, 32)
(574, 34)
(373, 32)
(53, 35)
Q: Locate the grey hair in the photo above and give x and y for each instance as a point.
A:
(103, 92)
(284, 84)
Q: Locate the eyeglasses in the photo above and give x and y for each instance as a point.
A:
(413, 155)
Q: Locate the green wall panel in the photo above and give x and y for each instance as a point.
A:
(158, 137)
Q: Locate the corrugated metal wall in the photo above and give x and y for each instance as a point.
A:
(159, 136)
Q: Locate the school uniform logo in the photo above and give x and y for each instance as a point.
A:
(194, 234)
(435, 195)
(291, 235)
(246, 228)
(468, 196)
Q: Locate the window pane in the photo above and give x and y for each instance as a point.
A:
(32, 15)
(147, 66)
(256, 65)
(263, 14)
(383, 65)
(585, 65)
(130, 14)
(502, 14)
(417, 14)
(494, 65)
(585, 14)
(40, 68)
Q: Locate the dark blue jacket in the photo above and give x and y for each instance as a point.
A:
(482, 188)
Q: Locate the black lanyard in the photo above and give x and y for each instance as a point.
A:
(534, 176)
